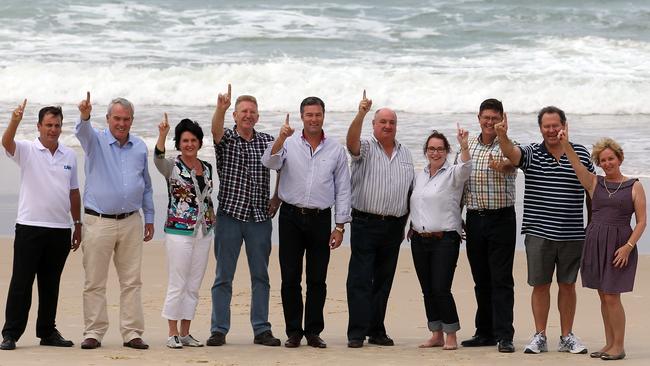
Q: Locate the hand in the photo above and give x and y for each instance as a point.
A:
(286, 130)
(365, 104)
(163, 127)
(497, 164)
(409, 234)
(148, 232)
(462, 136)
(620, 256)
(274, 204)
(563, 135)
(502, 127)
(85, 107)
(76, 238)
(223, 100)
(336, 238)
(463, 231)
(17, 116)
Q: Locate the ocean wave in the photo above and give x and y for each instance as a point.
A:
(281, 84)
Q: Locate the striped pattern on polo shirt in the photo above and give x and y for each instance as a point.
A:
(381, 185)
(553, 195)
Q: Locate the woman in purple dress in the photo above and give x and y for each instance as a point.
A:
(610, 256)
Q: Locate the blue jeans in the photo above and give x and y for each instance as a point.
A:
(229, 234)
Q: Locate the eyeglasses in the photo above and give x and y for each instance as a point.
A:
(440, 150)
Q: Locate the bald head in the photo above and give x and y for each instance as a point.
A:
(384, 125)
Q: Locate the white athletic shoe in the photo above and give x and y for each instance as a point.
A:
(174, 342)
(190, 341)
(572, 344)
(537, 344)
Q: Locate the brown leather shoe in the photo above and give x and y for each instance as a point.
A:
(316, 341)
(293, 342)
(90, 343)
(136, 343)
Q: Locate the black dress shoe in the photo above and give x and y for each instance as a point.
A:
(381, 340)
(216, 339)
(8, 343)
(90, 343)
(505, 346)
(478, 341)
(608, 357)
(293, 342)
(56, 339)
(266, 338)
(316, 341)
(355, 343)
(136, 343)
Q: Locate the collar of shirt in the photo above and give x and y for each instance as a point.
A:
(112, 140)
(395, 150)
(306, 143)
(494, 142)
(238, 136)
(41, 147)
(444, 167)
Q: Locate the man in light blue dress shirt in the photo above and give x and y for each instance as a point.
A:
(314, 177)
(117, 186)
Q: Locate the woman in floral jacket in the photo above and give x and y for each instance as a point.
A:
(188, 227)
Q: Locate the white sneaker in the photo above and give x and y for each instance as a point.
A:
(572, 344)
(174, 342)
(537, 344)
(190, 341)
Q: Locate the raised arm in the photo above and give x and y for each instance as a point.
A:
(586, 178)
(8, 137)
(509, 150)
(463, 136)
(353, 139)
(223, 103)
(163, 165)
(285, 131)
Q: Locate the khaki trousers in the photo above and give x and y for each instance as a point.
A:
(121, 239)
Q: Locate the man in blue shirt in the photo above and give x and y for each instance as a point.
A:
(117, 186)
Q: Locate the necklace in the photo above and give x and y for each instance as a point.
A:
(612, 193)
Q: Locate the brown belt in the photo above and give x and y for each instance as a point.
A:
(434, 234)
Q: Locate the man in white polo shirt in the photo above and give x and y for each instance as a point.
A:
(49, 194)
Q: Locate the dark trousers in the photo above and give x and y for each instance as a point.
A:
(435, 264)
(375, 247)
(491, 239)
(302, 234)
(38, 252)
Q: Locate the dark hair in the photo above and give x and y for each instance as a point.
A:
(311, 101)
(551, 110)
(189, 126)
(55, 111)
(437, 135)
(491, 104)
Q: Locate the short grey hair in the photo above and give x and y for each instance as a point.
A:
(121, 101)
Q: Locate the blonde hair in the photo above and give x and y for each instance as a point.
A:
(245, 98)
(606, 143)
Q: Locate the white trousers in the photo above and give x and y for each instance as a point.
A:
(187, 258)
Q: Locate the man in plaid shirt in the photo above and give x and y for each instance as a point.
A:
(244, 214)
(491, 233)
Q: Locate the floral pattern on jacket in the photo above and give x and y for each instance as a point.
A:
(188, 206)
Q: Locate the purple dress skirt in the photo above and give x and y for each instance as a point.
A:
(608, 230)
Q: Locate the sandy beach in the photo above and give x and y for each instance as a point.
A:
(405, 321)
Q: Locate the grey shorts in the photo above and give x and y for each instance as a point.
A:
(544, 255)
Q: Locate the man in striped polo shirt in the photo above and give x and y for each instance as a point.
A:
(553, 224)
(382, 175)
(491, 233)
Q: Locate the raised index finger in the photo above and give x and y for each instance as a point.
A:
(229, 89)
(88, 97)
(364, 93)
(165, 119)
(286, 121)
(24, 104)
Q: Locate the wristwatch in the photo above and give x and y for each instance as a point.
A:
(339, 229)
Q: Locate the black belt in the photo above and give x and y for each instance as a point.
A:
(433, 234)
(493, 212)
(306, 211)
(109, 216)
(366, 215)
